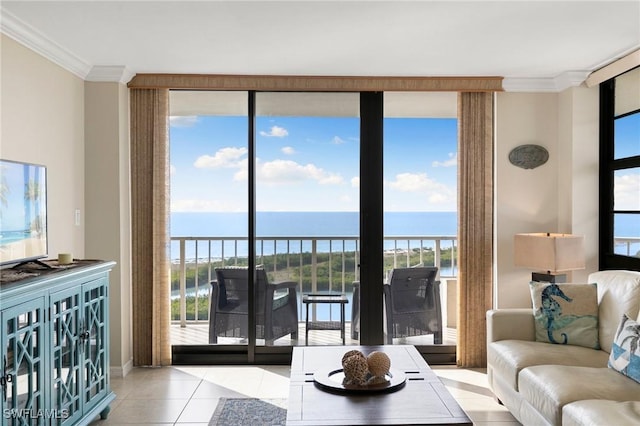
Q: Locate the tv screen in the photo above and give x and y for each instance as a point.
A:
(23, 212)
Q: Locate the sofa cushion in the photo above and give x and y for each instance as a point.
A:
(625, 352)
(548, 388)
(508, 357)
(601, 412)
(566, 313)
(618, 293)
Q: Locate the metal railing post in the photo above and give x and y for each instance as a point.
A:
(183, 285)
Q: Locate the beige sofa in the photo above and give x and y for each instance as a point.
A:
(548, 384)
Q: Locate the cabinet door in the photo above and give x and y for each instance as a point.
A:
(23, 364)
(66, 338)
(95, 359)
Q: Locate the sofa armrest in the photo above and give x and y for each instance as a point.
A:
(510, 324)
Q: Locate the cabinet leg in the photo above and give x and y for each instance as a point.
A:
(105, 413)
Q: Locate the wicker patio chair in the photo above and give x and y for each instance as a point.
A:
(276, 306)
(412, 303)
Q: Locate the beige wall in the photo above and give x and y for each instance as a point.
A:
(559, 196)
(107, 200)
(579, 151)
(42, 121)
(526, 200)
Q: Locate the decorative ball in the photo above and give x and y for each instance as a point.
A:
(355, 370)
(351, 353)
(378, 363)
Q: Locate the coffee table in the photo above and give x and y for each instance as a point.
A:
(423, 400)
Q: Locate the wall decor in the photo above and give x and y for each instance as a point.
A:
(528, 156)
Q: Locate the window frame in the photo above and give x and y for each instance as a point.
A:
(608, 259)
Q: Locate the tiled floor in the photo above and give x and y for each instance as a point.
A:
(189, 395)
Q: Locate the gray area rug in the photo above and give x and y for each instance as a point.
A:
(250, 412)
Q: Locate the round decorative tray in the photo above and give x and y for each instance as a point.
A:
(332, 381)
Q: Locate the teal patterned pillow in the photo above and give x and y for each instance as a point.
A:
(625, 352)
(566, 313)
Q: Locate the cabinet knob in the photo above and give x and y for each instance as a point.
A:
(85, 335)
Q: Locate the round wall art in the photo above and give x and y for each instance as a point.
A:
(528, 156)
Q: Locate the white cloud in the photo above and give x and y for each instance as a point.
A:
(288, 172)
(202, 206)
(276, 131)
(451, 162)
(627, 192)
(172, 170)
(183, 120)
(228, 157)
(436, 193)
(288, 150)
(337, 140)
(355, 182)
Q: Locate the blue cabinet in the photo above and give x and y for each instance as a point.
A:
(55, 346)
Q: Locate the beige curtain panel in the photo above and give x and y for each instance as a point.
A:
(475, 225)
(150, 226)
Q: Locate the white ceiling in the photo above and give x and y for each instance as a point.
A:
(532, 43)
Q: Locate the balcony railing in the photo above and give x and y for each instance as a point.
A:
(627, 246)
(316, 263)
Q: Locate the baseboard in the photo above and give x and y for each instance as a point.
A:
(121, 371)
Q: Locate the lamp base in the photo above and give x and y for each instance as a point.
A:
(546, 277)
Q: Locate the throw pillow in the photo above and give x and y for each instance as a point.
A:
(625, 352)
(566, 313)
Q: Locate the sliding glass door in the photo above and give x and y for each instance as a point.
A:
(420, 218)
(209, 220)
(307, 150)
(278, 236)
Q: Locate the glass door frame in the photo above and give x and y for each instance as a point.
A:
(371, 251)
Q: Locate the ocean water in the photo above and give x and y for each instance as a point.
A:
(302, 224)
(329, 224)
(309, 224)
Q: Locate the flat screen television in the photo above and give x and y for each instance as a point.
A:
(23, 212)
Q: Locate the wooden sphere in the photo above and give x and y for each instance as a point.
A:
(378, 363)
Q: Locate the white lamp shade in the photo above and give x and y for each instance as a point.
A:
(549, 252)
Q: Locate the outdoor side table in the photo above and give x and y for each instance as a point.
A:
(310, 299)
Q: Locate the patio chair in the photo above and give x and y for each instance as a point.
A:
(276, 306)
(412, 303)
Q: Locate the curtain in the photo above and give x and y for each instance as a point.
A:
(150, 226)
(475, 225)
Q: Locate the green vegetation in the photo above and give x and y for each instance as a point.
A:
(287, 267)
(203, 308)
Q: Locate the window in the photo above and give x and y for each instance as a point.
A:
(620, 172)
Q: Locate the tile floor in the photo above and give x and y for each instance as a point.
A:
(188, 395)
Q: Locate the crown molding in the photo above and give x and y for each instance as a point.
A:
(28, 36)
(615, 68)
(110, 73)
(549, 85)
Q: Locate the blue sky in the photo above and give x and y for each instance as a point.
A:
(309, 164)
(312, 164)
(14, 213)
(627, 181)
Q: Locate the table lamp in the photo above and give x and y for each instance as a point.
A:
(552, 254)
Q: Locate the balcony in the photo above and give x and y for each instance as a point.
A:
(317, 264)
